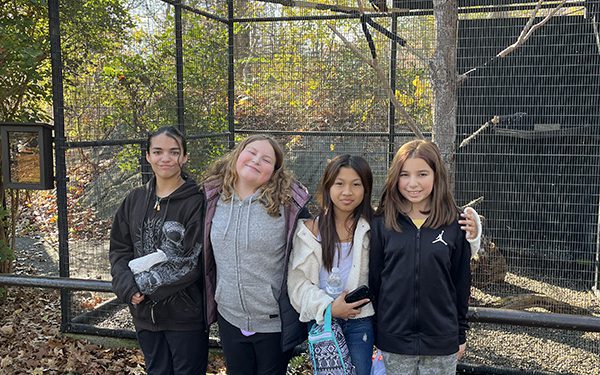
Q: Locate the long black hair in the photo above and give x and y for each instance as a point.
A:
(327, 231)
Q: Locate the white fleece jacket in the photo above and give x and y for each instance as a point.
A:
(303, 274)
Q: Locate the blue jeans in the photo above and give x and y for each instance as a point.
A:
(360, 337)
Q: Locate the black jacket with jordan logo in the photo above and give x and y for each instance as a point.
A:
(421, 281)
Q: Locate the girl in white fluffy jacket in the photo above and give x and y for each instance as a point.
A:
(336, 243)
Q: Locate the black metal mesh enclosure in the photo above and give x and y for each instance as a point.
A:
(537, 170)
(223, 70)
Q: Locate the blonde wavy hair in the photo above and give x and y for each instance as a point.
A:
(274, 193)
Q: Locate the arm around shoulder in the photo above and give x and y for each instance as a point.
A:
(475, 242)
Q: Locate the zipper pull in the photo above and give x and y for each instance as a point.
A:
(157, 204)
(152, 312)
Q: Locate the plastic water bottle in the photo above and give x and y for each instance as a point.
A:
(334, 285)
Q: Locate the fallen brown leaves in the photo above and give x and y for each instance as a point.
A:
(31, 342)
(39, 211)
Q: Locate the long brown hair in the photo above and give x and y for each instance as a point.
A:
(327, 231)
(274, 193)
(443, 209)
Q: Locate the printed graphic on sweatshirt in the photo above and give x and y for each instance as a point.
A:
(164, 260)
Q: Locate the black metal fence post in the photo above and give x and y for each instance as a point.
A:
(230, 74)
(179, 67)
(61, 168)
(393, 65)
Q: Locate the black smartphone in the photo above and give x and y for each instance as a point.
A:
(359, 293)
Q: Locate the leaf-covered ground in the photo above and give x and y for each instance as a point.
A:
(31, 342)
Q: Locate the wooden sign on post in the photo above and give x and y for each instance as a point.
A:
(27, 156)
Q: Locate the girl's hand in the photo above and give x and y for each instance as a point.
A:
(469, 224)
(461, 351)
(341, 309)
(137, 298)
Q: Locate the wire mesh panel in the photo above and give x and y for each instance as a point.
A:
(96, 196)
(100, 179)
(205, 69)
(304, 74)
(109, 110)
(297, 75)
(536, 168)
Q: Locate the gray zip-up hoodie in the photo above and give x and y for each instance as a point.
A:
(293, 332)
(248, 285)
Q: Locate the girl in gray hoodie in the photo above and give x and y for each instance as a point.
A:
(252, 205)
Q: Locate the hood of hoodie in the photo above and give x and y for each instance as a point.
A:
(175, 207)
(188, 189)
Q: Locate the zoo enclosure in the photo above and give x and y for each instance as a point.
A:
(537, 169)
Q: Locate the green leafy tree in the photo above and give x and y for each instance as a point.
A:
(87, 28)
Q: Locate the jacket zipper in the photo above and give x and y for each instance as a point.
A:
(152, 312)
(202, 264)
(417, 281)
(237, 262)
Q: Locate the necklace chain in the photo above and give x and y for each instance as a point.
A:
(158, 199)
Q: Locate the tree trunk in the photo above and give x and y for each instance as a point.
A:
(5, 266)
(444, 79)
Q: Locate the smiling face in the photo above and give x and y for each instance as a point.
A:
(255, 165)
(165, 156)
(416, 183)
(347, 191)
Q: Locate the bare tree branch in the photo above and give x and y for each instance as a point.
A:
(494, 121)
(331, 7)
(473, 203)
(526, 33)
(595, 26)
(530, 28)
(414, 127)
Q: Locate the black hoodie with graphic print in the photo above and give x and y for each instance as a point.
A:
(171, 230)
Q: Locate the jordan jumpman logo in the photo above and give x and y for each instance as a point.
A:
(439, 238)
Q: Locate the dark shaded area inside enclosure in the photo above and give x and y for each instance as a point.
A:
(539, 170)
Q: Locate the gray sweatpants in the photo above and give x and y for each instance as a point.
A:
(399, 364)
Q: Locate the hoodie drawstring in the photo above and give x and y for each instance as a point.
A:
(229, 218)
(248, 223)
(247, 219)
